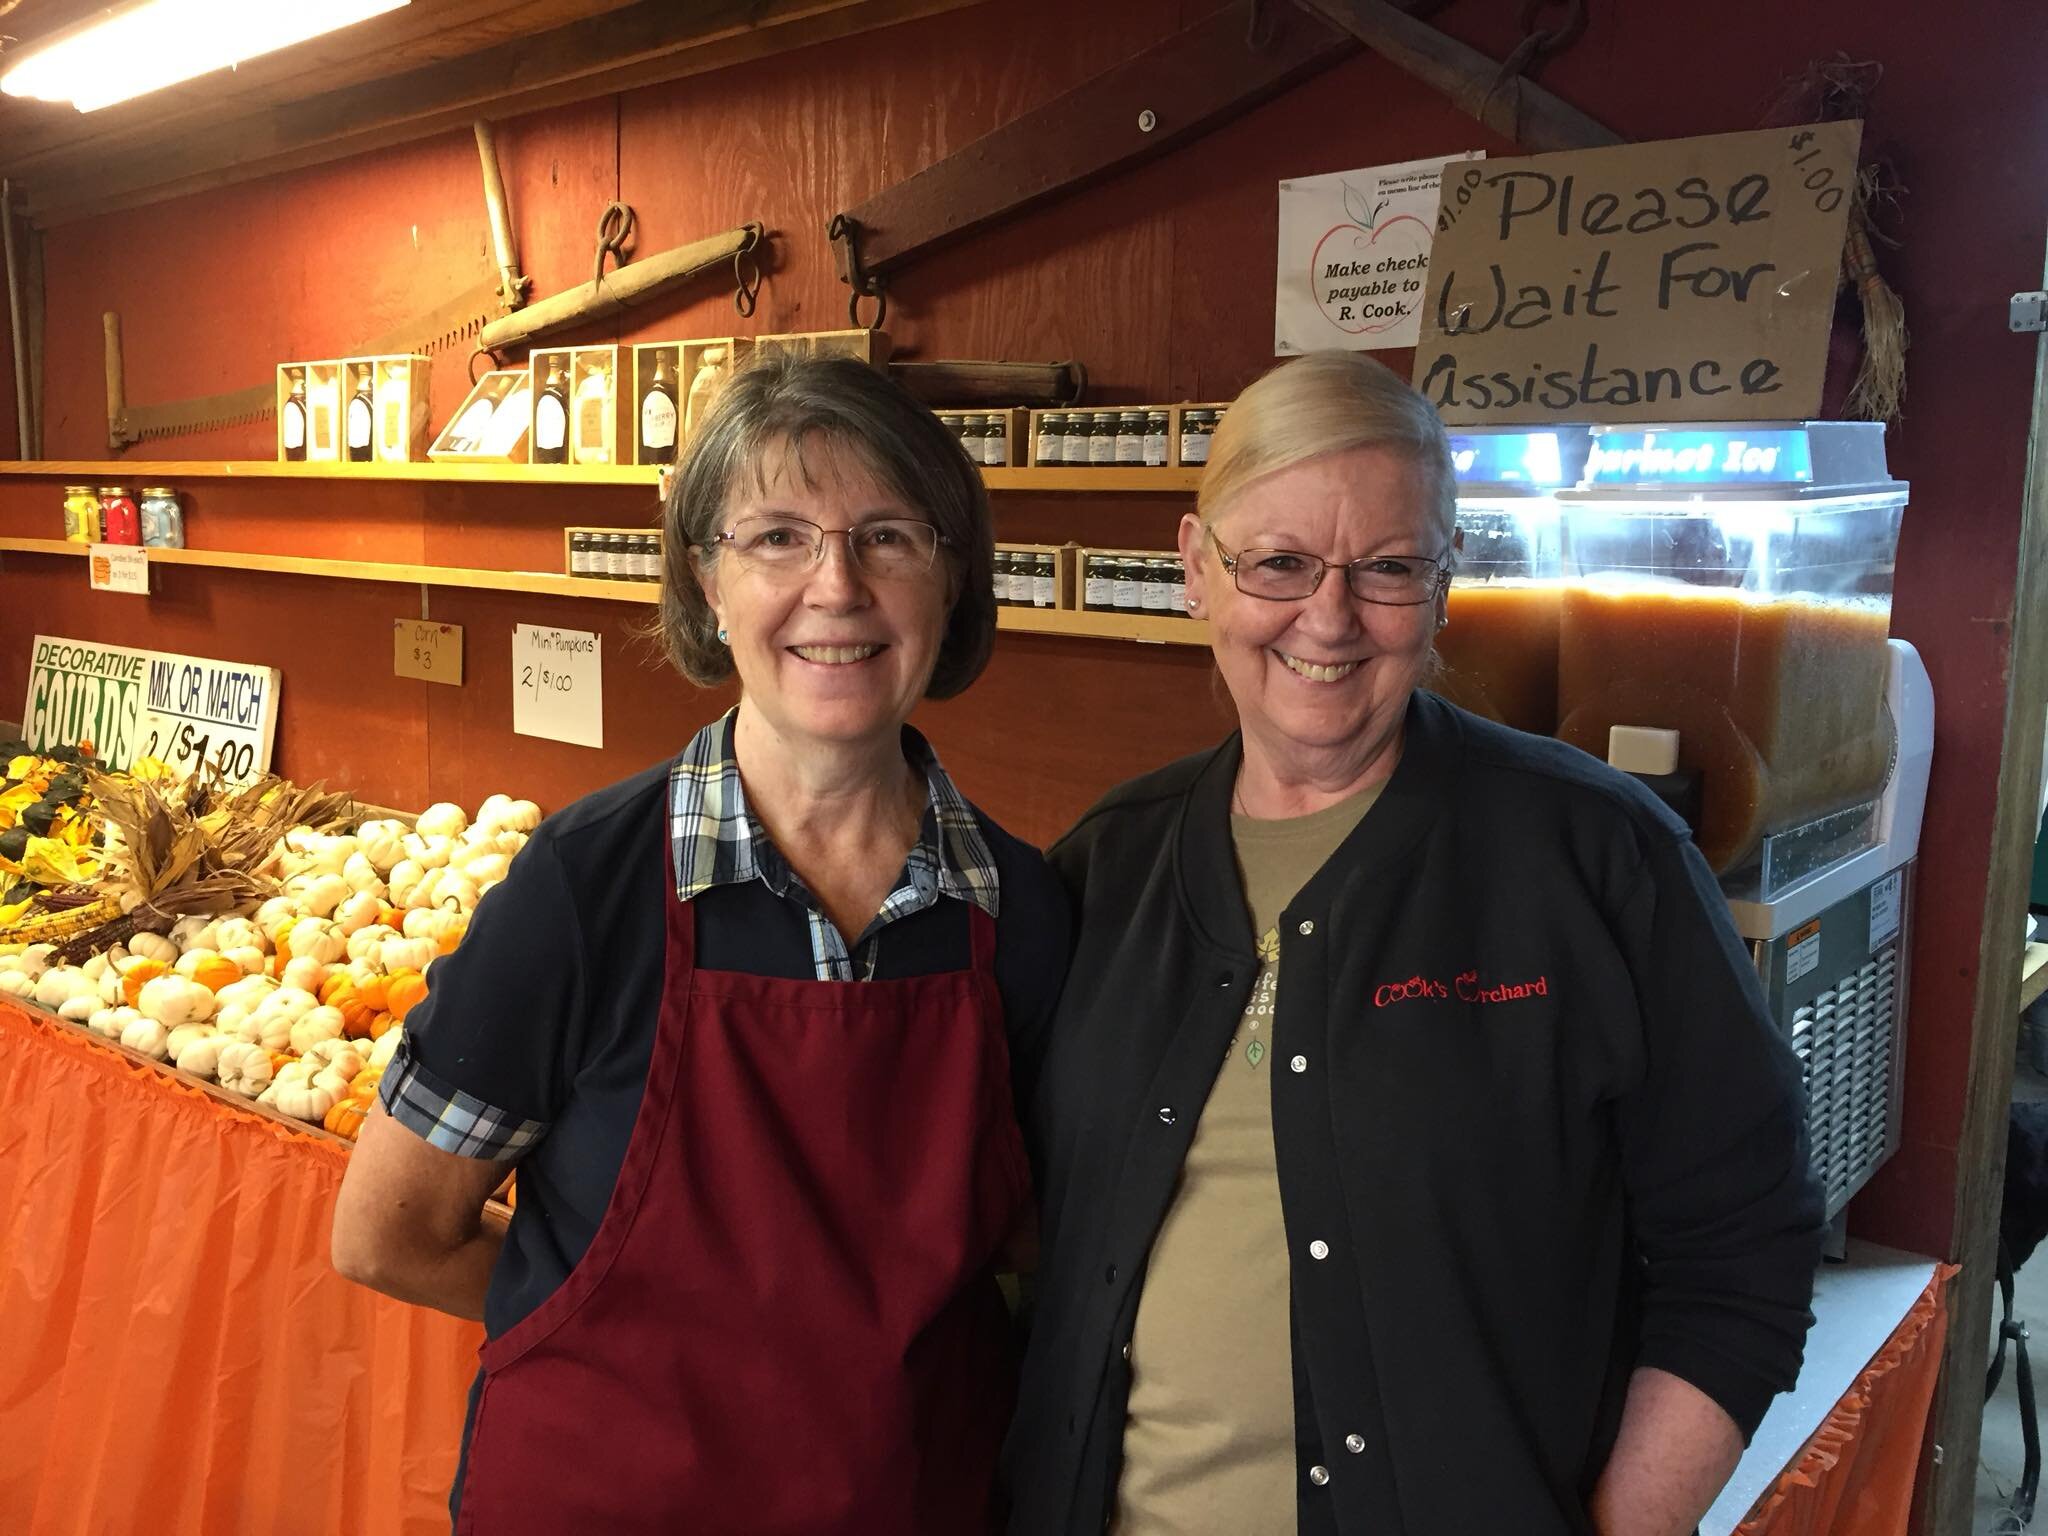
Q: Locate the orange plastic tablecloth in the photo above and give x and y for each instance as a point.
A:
(175, 1352)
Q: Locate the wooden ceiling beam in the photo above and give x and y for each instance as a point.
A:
(641, 44)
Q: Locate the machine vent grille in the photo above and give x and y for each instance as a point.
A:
(1845, 1041)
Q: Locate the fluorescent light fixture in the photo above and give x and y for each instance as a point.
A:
(130, 50)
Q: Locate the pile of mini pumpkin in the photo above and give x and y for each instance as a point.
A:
(300, 1004)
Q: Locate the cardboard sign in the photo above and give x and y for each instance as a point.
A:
(428, 651)
(1687, 280)
(118, 568)
(131, 704)
(1354, 256)
(558, 684)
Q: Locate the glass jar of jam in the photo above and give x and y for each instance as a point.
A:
(1074, 444)
(120, 520)
(163, 520)
(1052, 432)
(1130, 437)
(81, 514)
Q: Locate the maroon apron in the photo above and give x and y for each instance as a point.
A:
(786, 1322)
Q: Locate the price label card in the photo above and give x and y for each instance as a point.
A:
(1886, 898)
(119, 568)
(558, 684)
(426, 650)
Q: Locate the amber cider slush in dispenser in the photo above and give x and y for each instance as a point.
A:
(1734, 584)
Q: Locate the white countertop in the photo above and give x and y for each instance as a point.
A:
(1856, 1306)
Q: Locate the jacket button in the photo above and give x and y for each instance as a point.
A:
(1307, 927)
(1319, 1249)
(1300, 1064)
(1354, 1443)
(1319, 1475)
(1166, 1116)
(1127, 1353)
(1223, 980)
(1109, 1275)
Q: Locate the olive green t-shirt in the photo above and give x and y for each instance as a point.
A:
(1209, 1442)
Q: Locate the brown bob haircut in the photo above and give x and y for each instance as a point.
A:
(780, 409)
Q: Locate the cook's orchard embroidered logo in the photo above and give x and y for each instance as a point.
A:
(1466, 987)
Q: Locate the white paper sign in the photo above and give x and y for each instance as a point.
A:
(130, 704)
(1354, 256)
(1884, 907)
(558, 684)
(118, 568)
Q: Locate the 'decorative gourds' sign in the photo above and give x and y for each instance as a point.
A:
(1687, 280)
(130, 704)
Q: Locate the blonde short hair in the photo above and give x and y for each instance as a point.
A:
(1326, 402)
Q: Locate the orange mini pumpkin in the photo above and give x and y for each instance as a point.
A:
(341, 993)
(403, 991)
(347, 1116)
(382, 1025)
(134, 978)
(215, 972)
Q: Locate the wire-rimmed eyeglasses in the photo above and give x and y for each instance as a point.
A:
(886, 547)
(1287, 575)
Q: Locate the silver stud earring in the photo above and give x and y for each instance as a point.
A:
(723, 637)
(1194, 604)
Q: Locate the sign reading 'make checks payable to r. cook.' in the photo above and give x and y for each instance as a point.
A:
(131, 704)
(1681, 281)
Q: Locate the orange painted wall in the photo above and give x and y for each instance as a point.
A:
(1157, 280)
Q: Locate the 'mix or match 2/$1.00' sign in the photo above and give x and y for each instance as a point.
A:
(130, 704)
(1687, 280)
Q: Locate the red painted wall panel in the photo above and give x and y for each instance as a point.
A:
(1157, 280)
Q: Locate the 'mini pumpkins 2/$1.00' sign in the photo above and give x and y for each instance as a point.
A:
(131, 704)
(1687, 280)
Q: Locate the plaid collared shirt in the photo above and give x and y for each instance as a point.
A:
(714, 840)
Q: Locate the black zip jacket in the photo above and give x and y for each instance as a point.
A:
(1534, 1129)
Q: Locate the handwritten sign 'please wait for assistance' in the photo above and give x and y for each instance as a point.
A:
(1681, 281)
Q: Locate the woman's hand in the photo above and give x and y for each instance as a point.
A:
(410, 1220)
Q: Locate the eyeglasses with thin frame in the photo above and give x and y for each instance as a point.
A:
(1287, 575)
(890, 548)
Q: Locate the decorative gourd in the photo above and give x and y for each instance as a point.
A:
(347, 1116)
(397, 955)
(248, 959)
(488, 869)
(96, 967)
(340, 994)
(384, 1045)
(361, 874)
(201, 1054)
(455, 888)
(404, 881)
(314, 1026)
(359, 911)
(305, 973)
(185, 931)
(111, 992)
(297, 1092)
(185, 1034)
(60, 983)
(149, 1036)
(174, 1000)
(382, 843)
(138, 973)
(18, 984)
(505, 814)
(317, 939)
(109, 1022)
(34, 960)
(433, 923)
(218, 971)
(79, 1006)
(363, 943)
(429, 852)
(274, 915)
(344, 1058)
(183, 965)
(427, 892)
(442, 819)
(322, 894)
(246, 993)
(403, 992)
(244, 1067)
(153, 946)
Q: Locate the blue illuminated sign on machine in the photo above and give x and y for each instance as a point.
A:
(1545, 460)
(1769, 456)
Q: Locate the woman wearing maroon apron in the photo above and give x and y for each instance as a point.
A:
(743, 1023)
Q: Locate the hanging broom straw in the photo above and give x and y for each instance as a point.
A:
(1879, 391)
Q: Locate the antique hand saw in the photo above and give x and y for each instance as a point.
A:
(458, 320)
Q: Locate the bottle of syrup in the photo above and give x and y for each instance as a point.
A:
(362, 421)
(658, 416)
(592, 440)
(551, 418)
(295, 420)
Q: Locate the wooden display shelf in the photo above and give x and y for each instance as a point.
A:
(100, 472)
(173, 471)
(1034, 621)
(546, 583)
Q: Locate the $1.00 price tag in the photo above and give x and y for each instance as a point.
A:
(558, 684)
(426, 650)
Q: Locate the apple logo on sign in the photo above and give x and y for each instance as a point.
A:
(1367, 272)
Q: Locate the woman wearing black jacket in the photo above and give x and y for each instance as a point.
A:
(1416, 1153)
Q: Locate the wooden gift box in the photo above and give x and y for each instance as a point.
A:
(1174, 413)
(399, 387)
(1086, 553)
(865, 345)
(686, 361)
(600, 429)
(323, 409)
(492, 423)
(1064, 594)
(569, 551)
